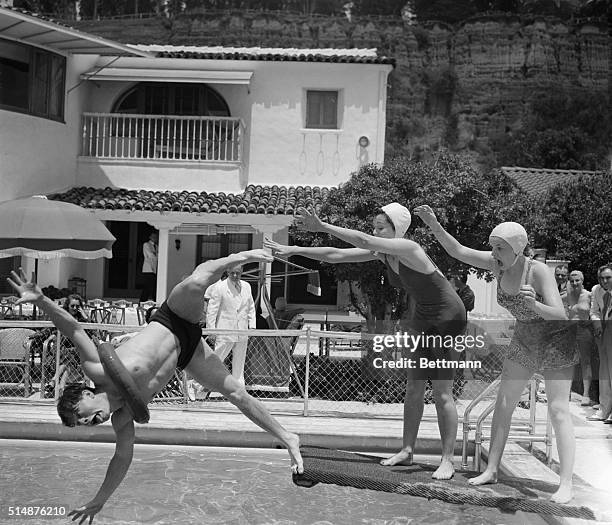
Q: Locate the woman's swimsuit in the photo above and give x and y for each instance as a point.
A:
(531, 343)
(438, 311)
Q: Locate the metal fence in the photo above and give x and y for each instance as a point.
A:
(302, 371)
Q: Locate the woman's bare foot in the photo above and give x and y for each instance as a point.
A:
(445, 470)
(564, 494)
(403, 457)
(485, 478)
(292, 442)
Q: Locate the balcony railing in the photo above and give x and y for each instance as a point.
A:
(162, 137)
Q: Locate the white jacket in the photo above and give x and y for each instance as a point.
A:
(228, 309)
(149, 251)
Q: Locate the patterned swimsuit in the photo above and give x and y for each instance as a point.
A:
(530, 345)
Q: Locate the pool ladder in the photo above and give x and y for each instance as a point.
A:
(528, 429)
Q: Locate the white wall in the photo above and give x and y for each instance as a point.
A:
(282, 151)
(38, 155)
(168, 175)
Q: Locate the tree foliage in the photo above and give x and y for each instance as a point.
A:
(575, 223)
(468, 203)
(561, 131)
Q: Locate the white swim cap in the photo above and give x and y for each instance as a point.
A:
(513, 233)
(400, 217)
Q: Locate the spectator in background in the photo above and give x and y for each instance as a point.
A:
(68, 370)
(601, 306)
(231, 306)
(149, 268)
(561, 273)
(465, 293)
(282, 316)
(577, 302)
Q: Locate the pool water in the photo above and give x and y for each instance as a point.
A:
(204, 485)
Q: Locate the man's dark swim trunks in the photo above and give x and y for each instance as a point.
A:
(188, 334)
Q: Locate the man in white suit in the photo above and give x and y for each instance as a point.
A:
(601, 316)
(231, 306)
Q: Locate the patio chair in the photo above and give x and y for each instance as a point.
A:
(15, 360)
(269, 360)
(175, 389)
(9, 309)
(60, 365)
(141, 311)
(117, 309)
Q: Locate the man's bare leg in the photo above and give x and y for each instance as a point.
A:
(208, 370)
(413, 413)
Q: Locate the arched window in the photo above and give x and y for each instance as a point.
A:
(149, 98)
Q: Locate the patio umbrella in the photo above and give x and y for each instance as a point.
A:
(46, 229)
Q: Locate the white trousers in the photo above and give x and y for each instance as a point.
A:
(225, 345)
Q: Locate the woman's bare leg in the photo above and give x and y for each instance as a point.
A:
(558, 384)
(413, 412)
(447, 423)
(514, 379)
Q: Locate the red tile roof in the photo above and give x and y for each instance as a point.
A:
(277, 54)
(271, 200)
(536, 181)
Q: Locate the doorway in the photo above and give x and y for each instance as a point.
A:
(123, 273)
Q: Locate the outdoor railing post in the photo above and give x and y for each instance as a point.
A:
(307, 372)
(58, 346)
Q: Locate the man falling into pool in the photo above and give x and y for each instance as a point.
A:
(172, 339)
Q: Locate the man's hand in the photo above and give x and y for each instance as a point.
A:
(89, 510)
(597, 329)
(28, 291)
(308, 221)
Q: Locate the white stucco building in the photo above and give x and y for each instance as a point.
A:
(212, 147)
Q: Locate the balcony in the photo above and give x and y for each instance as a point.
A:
(162, 138)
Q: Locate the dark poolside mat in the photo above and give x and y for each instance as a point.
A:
(322, 465)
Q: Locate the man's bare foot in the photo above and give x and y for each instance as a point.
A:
(564, 494)
(445, 470)
(293, 447)
(403, 457)
(485, 478)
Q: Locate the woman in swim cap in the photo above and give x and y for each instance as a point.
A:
(438, 312)
(528, 290)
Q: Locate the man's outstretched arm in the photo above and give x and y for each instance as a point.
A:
(29, 292)
(211, 271)
(123, 425)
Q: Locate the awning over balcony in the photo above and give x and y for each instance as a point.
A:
(32, 29)
(168, 75)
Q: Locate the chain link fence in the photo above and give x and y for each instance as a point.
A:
(297, 370)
